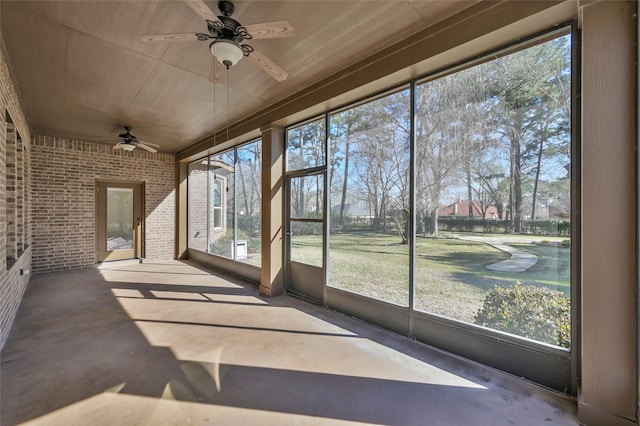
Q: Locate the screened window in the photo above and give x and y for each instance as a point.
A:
(198, 195)
(305, 153)
(225, 203)
(369, 181)
(217, 203)
(305, 146)
(493, 194)
(222, 209)
(249, 202)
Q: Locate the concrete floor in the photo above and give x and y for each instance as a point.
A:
(172, 344)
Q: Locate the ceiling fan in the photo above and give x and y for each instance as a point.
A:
(227, 38)
(130, 142)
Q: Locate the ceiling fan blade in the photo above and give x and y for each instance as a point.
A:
(268, 66)
(218, 71)
(147, 147)
(169, 37)
(105, 140)
(278, 29)
(203, 10)
(118, 145)
(149, 143)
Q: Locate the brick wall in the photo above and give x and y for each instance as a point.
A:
(18, 257)
(64, 205)
(201, 214)
(197, 205)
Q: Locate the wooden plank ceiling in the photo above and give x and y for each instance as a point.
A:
(82, 71)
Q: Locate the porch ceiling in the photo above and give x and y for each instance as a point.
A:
(82, 71)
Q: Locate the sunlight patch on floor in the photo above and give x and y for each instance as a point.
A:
(177, 295)
(126, 292)
(230, 298)
(123, 409)
(295, 352)
(287, 339)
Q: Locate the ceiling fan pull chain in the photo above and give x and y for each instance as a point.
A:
(214, 115)
(227, 107)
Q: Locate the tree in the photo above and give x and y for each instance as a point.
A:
(447, 137)
(305, 149)
(248, 167)
(380, 156)
(346, 127)
(532, 112)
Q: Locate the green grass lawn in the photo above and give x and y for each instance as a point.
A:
(451, 274)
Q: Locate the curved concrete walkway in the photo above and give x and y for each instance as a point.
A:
(520, 260)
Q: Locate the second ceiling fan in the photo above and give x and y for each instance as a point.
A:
(227, 38)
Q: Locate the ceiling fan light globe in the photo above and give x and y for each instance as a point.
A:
(128, 147)
(227, 52)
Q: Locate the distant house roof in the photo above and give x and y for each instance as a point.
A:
(461, 208)
(557, 211)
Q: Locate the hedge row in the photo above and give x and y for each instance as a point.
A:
(558, 228)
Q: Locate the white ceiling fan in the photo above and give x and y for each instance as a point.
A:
(228, 38)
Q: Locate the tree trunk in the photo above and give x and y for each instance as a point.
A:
(433, 223)
(419, 225)
(517, 192)
(469, 188)
(301, 189)
(405, 233)
(383, 213)
(318, 194)
(254, 183)
(515, 195)
(535, 183)
(344, 183)
(244, 189)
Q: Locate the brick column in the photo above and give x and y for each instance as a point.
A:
(272, 277)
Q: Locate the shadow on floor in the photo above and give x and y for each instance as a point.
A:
(173, 332)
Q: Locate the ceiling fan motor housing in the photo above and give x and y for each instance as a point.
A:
(232, 30)
(227, 28)
(127, 137)
(226, 7)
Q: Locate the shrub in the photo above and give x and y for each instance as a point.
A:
(533, 312)
(553, 228)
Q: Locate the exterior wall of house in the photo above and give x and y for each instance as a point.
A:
(64, 203)
(199, 178)
(198, 208)
(461, 209)
(15, 199)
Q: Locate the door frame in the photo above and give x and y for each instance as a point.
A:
(313, 286)
(138, 251)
